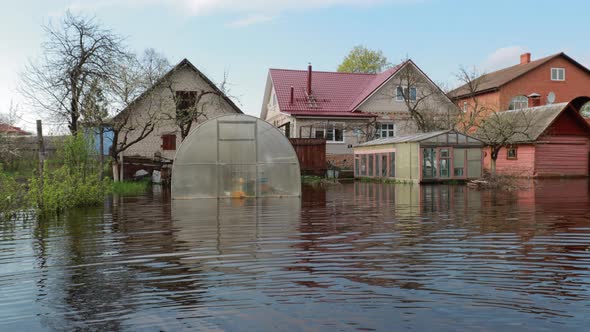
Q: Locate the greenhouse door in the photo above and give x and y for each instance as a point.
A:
(237, 158)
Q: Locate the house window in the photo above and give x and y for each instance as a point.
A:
(185, 99)
(169, 142)
(385, 130)
(512, 153)
(335, 134)
(558, 74)
(402, 92)
(319, 133)
(519, 102)
(465, 107)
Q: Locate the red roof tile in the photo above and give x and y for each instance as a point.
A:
(336, 94)
(8, 129)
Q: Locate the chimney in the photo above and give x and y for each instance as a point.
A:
(309, 80)
(292, 95)
(534, 100)
(525, 58)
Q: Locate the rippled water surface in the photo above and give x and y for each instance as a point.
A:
(349, 257)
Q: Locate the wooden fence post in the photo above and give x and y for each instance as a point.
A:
(41, 147)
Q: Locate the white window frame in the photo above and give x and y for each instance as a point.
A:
(465, 106)
(557, 71)
(523, 100)
(387, 130)
(332, 128)
(400, 97)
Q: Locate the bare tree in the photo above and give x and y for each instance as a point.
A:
(496, 127)
(193, 106)
(502, 129)
(12, 116)
(76, 53)
(425, 102)
(136, 77)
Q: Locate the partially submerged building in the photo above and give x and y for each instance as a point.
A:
(235, 156)
(435, 156)
(553, 140)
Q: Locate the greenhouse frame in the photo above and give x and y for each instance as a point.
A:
(235, 156)
(425, 157)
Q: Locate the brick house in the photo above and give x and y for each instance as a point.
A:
(553, 79)
(349, 108)
(183, 80)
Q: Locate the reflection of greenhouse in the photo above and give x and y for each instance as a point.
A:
(435, 156)
(235, 156)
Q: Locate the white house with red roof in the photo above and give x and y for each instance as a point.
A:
(348, 108)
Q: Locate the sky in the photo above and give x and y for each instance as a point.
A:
(247, 37)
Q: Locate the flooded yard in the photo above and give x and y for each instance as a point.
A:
(358, 256)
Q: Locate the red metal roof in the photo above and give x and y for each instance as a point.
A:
(8, 129)
(335, 94)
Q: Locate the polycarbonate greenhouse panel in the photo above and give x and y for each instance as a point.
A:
(235, 156)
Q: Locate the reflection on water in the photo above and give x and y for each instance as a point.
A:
(358, 256)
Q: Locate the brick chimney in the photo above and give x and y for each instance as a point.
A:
(309, 80)
(525, 58)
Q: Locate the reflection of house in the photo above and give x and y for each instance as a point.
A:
(553, 79)
(347, 108)
(554, 141)
(435, 156)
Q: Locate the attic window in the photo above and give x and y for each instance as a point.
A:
(185, 99)
(401, 94)
(519, 102)
(558, 74)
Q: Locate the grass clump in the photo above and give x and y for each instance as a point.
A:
(11, 195)
(130, 188)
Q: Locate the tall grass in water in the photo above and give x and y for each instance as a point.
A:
(130, 188)
(11, 195)
(75, 182)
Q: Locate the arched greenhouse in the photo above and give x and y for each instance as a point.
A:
(235, 156)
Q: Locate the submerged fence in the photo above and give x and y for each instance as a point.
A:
(311, 153)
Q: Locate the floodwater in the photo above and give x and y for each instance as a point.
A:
(356, 256)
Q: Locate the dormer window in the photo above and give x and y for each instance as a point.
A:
(558, 74)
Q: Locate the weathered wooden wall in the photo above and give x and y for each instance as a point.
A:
(311, 153)
(562, 156)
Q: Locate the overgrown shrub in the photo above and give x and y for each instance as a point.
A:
(11, 196)
(129, 188)
(76, 182)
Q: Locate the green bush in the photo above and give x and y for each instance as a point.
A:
(11, 195)
(75, 183)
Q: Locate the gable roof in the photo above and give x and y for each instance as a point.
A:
(334, 93)
(414, 138)
(536, 120)
(180, 65)
(494, 80)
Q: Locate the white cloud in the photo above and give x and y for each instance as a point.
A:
(503, 57)
(251, 11)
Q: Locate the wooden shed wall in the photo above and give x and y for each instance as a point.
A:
(562, 156)
(523, 166)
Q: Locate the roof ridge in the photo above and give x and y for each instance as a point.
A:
(325, 72)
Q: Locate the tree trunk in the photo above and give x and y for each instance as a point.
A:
(493, 166)
(115, 165)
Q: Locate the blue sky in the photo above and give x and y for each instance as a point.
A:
(245, 38)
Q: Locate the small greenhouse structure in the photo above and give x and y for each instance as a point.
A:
(235, 156)
(425, 157)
